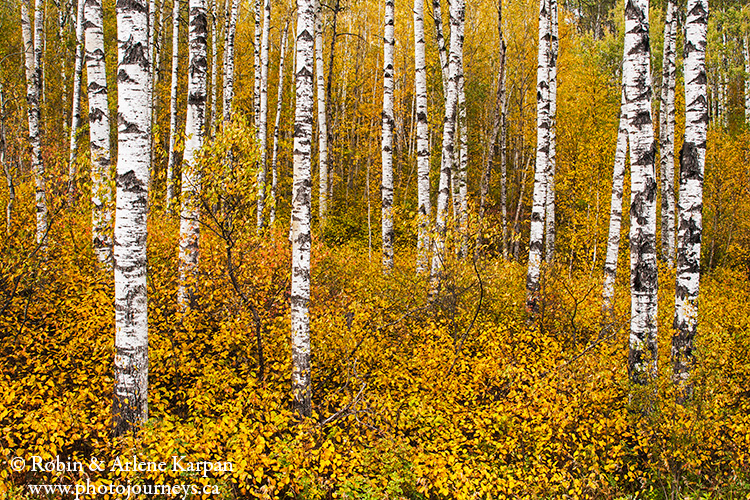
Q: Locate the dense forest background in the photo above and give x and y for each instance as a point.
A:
(415, 393)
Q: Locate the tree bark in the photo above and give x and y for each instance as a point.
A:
(692, 163)
(229, 35)
(498, 130)
(437, 14)
(279, 100)
(322, 124)
(550, 232)
(6, 168)
(211, 127)
(542, 158)
(130, 405)
(96, 72)
(457, 9)
(256, 53)
(424, 209)
(387, 137)
(263, 120)
(33, 54)
(301, 208)
(746, 82)
(615, 214)
(194, 132)
(172, 159)
(75, 115)
(666, 133)
(642, 359)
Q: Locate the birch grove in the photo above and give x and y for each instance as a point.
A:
(692, 167)
(194, 132)
(642, 358)
(130, 405)
(99, 131)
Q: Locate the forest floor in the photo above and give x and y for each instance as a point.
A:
(455, 397)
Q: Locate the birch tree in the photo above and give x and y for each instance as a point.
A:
(387, 138)
(615, 213)
(542, 156)
(666, 134)
(263, 121)
(96, 72)
(692, 163)
(449, 128)
(75, 115)
(194, 132)
(498, 131)
(130, 405)
(424, 208)
(322, 124)
(746, 53)
(301, 207)
(230, 29)
(6, 167)
(33, 54)
(256, 54)
(214, 85)
(549, 235)
(437, 15)
(172, 154)
(276, 129)
(636, 72)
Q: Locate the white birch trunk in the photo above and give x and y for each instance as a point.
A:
(263, 121)
(6, 168)
(322, 125)
(449, 128)
(214, 67)
(75, 115)
(301, 207)
(666, 133)
(387, 137)
(172, 155)
(746, 79)
(256, 53)
(424, 209)
(462, 166)
(542, 157)
(642, 359)
(437, 15)
(130, 405)
(549, 234)
(96, 72)
(229, 35)
(498, 130)
(194, 132)
(692, 163)
(32, 51)
(279, 100)
(615, 214)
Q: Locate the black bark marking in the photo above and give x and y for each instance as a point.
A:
(130, 183)
(689, 165)
(135, 53)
